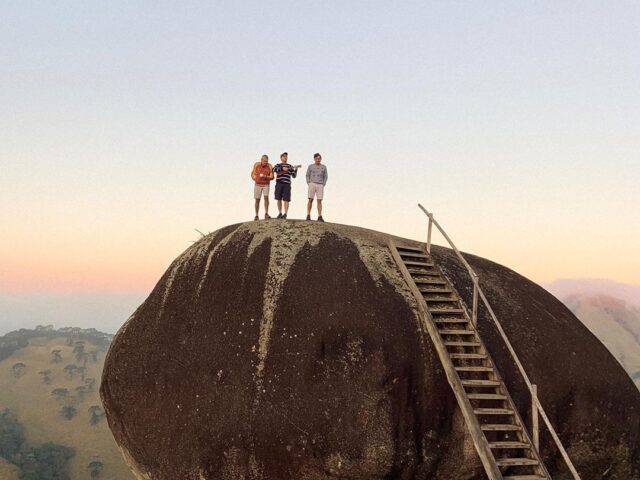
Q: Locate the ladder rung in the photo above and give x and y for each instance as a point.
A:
(441, 299)
(474, 369)
(524, 477)
(417, 264)
(462, 344)
(467, 355)
(445, 311)
(486, 396)
(423, 272)
(435, 290)
(429, 281)
(509, 445)
(500, 427)
(457, 332)
(451, 320)
(513, 462)
(480, 383)
(409, 248)
(493, 411)
(413, 254)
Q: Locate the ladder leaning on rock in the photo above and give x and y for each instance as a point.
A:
(500, 437)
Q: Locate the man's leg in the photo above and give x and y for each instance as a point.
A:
(266, 205)
(319, 207)
(309, 205)
(257, 205)
(279, 206)
(286, 197)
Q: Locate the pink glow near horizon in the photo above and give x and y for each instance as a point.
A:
(125, 127)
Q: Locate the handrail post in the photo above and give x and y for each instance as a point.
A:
(429, 233)
(474, 315)
(535, 426)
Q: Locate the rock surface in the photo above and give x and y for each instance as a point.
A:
(287, 349)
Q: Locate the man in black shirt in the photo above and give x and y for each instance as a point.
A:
(284, 172)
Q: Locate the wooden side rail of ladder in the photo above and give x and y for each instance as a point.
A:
(497, 430)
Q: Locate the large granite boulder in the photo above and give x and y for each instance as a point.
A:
(292, 350)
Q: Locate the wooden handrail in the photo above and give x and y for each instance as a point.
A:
(478, 291)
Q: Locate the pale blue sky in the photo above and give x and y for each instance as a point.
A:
(125, 125)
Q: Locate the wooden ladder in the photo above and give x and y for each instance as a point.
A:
(498, 432)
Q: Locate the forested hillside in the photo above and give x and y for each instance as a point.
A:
(52, 425)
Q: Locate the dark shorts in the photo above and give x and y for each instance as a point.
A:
(283, 191)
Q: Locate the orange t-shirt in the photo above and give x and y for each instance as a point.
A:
(266, 170)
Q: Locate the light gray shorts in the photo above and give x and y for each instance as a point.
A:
(260, 191)
(316, 189)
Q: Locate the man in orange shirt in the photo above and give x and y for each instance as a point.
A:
(262, 174)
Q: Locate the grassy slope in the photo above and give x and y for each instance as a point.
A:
(31, 400)
(616, 325)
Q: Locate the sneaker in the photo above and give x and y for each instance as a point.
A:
(320, 219)
(308, 217)
(267, 217)
(256, 217)
(284, 216)
(280, 215)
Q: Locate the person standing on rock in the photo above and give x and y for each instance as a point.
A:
(316, 179)
(262, 174)
(284, 172)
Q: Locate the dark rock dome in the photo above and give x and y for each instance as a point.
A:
(292, 350)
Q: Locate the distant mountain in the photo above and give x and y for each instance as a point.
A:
(615, 322)
(564, 288)
(49, 382)
(104, 311)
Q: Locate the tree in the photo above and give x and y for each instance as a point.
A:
(95, 468)
(78, 349)
(46, 376)
(96, 413)
(18, 369)
(46, 462)
(81, 391)
(55, 356)
(94, 355)
(70, 370)
(82, 358)
(60, 393)
(90, 383)
(11, 435)
(68, 411)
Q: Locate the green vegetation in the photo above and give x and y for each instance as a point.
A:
(11, 435)
(96, 412)
(70, 370)
(46, 462)
(46, 376)
(90, 383)
(68, 411)
(55, 356)
(95, 468)
(60, 393)
(18, 369)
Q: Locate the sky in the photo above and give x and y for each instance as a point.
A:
(126, 126)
